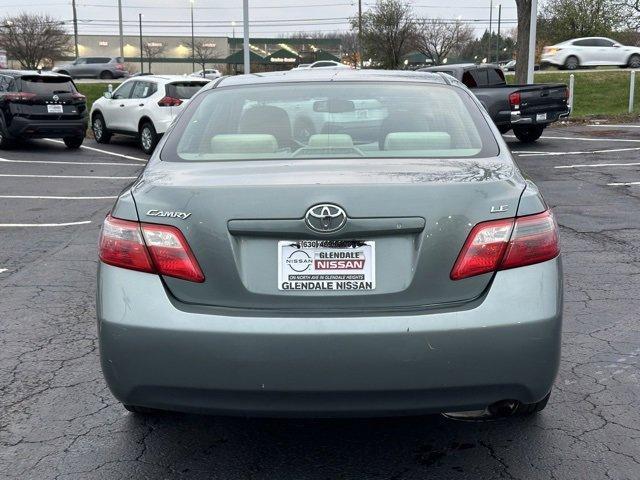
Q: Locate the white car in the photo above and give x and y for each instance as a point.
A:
(142, 106)
(591, 52)
(210, 73)
(323, 64)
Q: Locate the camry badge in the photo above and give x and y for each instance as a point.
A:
(325, 218)
(160, 213)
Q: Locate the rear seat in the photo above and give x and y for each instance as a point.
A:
(244, 143)
(417, 141)
(331, 140)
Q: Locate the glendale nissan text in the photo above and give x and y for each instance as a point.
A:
(387, 258)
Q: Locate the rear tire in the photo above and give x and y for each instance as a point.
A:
(504, 128)
(148, 138)
(100, 131)
(634, 61)
(528, 409)
(528, 133)
(106, 75)
(5, 141)
(572, 63)
(73, 143)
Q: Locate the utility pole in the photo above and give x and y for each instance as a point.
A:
(498, 39)
(245, 18)
(193, 43)
(141, 59)
(75, 27)
(120, 28)
(360, 31)
(532, 40)
(490, 27)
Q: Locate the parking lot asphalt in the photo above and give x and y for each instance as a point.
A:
(58, 420)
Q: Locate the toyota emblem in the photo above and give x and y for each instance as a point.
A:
(325, 218)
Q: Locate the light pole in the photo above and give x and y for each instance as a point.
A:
(120, 29)
(193, 43)
(360, 32)
(245, 18)
(490, 27)
(75, 27)
(498, 38)
(532, 40)
(141, 59)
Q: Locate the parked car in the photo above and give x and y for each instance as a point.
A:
(510, 66)
(39, 105)
(322, 64)
(245, 272)
(210, 73)
(527, 109)
(94, 67)
(143, 106)
(591, 52)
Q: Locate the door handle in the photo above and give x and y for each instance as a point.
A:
(122, 105)
(141, 104)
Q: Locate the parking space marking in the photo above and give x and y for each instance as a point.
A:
(585, 139)
(7, 160)
(67, 224)
(623, 184)
(122, 155)
(596, 165)
(51, 197)
(616, 126)
(584, 152)
(65, 176)
(2, 270)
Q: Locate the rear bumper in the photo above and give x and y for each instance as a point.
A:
(518, 118)
(157, 355)
(21, 127)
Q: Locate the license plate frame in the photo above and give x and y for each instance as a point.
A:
(326, 265)
(55, 108)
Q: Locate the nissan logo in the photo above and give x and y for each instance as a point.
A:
(56, 98)
(325, 218)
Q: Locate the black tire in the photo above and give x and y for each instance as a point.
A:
(302, 130)
(142, 410)
(634, 61)
(504, 128)
(106, 75)
(100, 131)
(526, 409)
(572, 63)
(528, 133)
(73, 143)
(147, 138)
(5, 141)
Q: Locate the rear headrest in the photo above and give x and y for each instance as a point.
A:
(244, 143)
(417, 141)
(331, 140)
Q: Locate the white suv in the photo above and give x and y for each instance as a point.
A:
(142, 106)
(590, 52)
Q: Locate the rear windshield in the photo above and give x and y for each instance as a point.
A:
(183, 90)
(331, 120)
(47, 85)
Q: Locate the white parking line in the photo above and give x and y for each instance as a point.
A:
(101, 151)
(7, 160)
(623, 184)
(585, 165)
(616, 126)
(44, 224)
(40, 197)
(65, 176)
(584, 152)
(584, 139)
(2, 270)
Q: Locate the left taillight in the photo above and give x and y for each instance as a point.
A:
(514, 100)
(507, 243)
(147, 247)
(19, 96)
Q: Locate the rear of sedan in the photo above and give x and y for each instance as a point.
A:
(250, 272)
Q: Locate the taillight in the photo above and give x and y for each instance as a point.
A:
(78, 96)
(119, 66)
(148, 247)
(169, 102)
(514, 100)
(19, 96)
(507, 243)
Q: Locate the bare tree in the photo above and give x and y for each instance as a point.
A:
(437, 38)
(33, 39)
(388, 32)
(203, 52)
(631, 11)
(152, 50)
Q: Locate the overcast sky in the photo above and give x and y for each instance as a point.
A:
(268, 17)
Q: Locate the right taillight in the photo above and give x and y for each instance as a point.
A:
(169, 102)
(148, 247)
(507, 243)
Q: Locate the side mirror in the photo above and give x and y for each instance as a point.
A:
(107, 95)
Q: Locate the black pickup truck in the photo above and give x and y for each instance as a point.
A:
(527, 109)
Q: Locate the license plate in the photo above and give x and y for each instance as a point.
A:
(540, 117)
(55, 109)
(326, 265)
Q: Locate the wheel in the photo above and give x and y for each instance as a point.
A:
(142, 410)
(148, 138)
(634, 61)
(73, 143)
(504, 128)
(528, 133)
(526, 409)
(571, 63)
(302, 130)
(5, 141)
(100, 131)
(106, 75)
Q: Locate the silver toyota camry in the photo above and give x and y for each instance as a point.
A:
(331, 243)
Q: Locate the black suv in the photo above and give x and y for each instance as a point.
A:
(38, 105)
